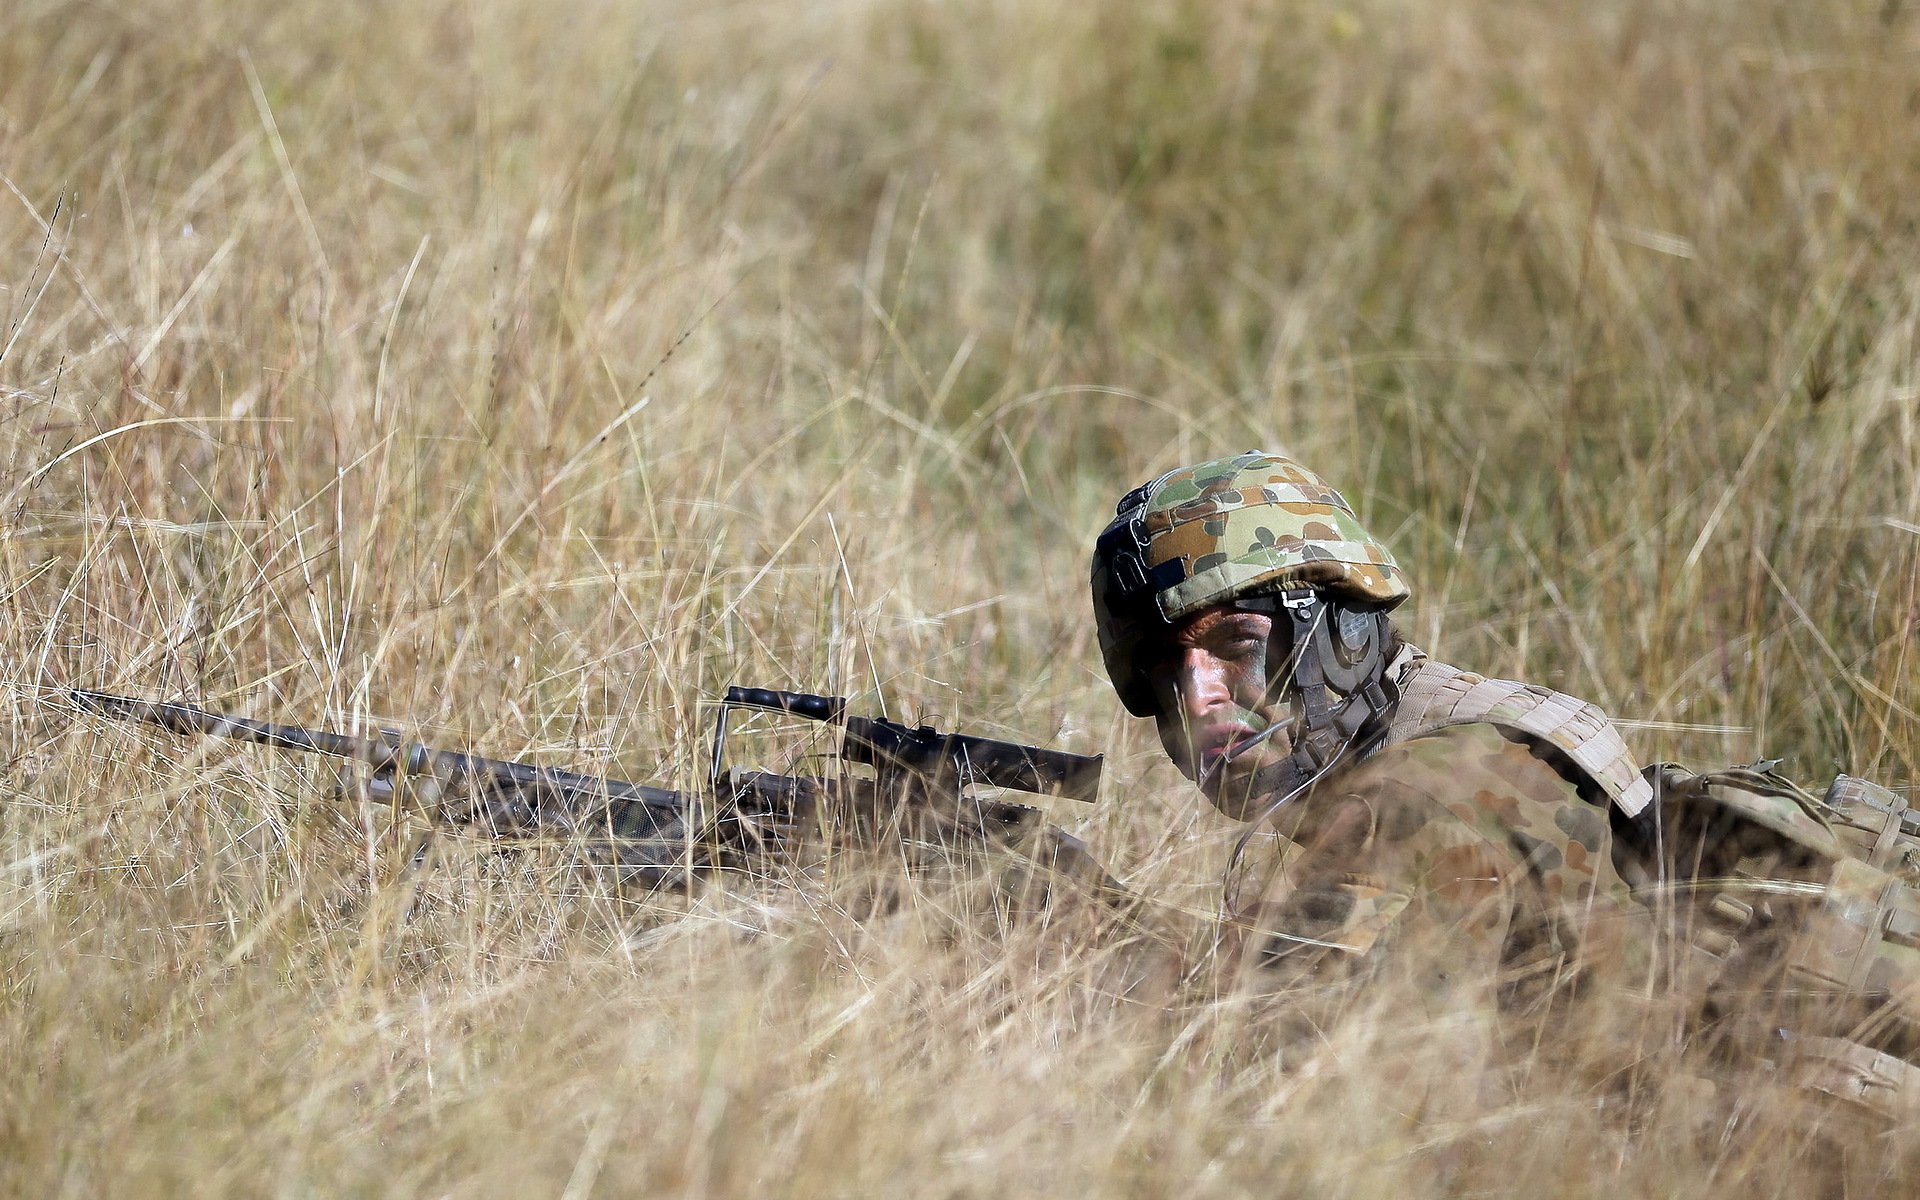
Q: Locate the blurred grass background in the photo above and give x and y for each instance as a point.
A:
(526, 372)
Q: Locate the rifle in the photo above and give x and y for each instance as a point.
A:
(921, 785)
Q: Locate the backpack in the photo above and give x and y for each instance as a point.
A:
(1798, 923)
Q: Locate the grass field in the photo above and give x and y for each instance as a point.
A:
(523, 373)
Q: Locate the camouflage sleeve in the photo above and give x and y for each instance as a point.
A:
(1454, 859)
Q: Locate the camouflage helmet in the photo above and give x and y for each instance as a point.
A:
(1221, 531)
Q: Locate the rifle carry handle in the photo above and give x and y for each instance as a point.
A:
(800, 704)
(875, 741)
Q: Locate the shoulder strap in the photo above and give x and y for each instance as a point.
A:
(1434, 695)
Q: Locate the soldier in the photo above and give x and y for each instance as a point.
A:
(1406, 812)
(1492, 847)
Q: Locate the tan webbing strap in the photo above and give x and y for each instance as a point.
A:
(1861, 907)
(1884, 813)
(1434, 696)
(1862, 970)
(1857, 1074)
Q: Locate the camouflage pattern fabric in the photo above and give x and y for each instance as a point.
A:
(1460, 848)
(1798, 922)
(1779, 928)
(1219, 532)
(1433, 695)
(1256, 522)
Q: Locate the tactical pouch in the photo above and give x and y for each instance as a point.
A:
(1801, 916)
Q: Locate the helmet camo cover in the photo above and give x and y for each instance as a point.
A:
(1220, 531)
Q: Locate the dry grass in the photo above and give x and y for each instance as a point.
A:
(526, 372)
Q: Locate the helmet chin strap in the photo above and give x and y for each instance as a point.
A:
(1341, 696)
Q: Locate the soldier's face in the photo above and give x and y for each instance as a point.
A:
(1220, 680)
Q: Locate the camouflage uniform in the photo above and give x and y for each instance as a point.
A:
(1464, 846)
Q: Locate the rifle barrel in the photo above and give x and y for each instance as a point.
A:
(189, 719)
(386, 752)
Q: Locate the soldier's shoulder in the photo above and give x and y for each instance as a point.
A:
(1579, 739)
(1454, 758)
(1499, 784)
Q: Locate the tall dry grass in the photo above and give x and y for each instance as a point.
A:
(524, 373)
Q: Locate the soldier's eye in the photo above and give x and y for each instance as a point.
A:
(1240, 646)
